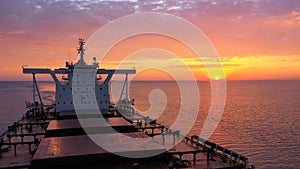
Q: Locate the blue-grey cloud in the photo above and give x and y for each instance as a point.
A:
(226, 19)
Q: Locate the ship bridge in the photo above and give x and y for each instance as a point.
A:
(64, 100)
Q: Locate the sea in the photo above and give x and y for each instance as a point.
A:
(261, 119)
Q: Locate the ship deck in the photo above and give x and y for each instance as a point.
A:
(63, 150)
(79, 151)
(15, 152)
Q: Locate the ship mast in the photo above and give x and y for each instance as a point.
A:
(80, 51)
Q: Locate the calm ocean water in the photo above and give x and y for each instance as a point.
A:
(261, 118)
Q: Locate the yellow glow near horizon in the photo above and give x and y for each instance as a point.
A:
(262, 67)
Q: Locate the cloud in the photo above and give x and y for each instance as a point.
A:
(17, 32)
(201, 66)
(6, 35)
(39, 15)
(237, 28)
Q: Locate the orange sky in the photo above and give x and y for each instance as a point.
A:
(256, 40)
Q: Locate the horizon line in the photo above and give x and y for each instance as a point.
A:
(157, 80)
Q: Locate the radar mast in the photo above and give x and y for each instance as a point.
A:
(80, 51)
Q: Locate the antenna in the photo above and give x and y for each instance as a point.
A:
(69, 56)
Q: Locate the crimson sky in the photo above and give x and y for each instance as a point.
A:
(256, 39)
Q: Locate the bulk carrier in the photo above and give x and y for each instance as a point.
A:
(52, 136)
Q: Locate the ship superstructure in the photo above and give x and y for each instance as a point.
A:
(64, 95)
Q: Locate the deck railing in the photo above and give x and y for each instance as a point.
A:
(226, 155)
